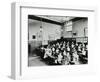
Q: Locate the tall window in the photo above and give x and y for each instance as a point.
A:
(68, 26)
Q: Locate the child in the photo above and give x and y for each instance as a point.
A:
(75, 57)
(59, 59)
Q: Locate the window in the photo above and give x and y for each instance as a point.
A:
(68, 26)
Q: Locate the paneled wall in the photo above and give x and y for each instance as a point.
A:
(53, 31)
(80, 29)
(48, 32)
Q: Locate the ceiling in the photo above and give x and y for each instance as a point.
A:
(59, 20)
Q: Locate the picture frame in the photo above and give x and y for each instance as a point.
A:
(19, 48)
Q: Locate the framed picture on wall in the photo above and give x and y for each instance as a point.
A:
(42, 45)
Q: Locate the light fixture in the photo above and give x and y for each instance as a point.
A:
(41, 28)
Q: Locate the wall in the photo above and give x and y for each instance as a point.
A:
(67, 34)
(50, 32)
(33, 28)
(79, 28)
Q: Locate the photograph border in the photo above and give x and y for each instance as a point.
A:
(16, 56)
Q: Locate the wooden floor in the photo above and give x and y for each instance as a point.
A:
(36, 61)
